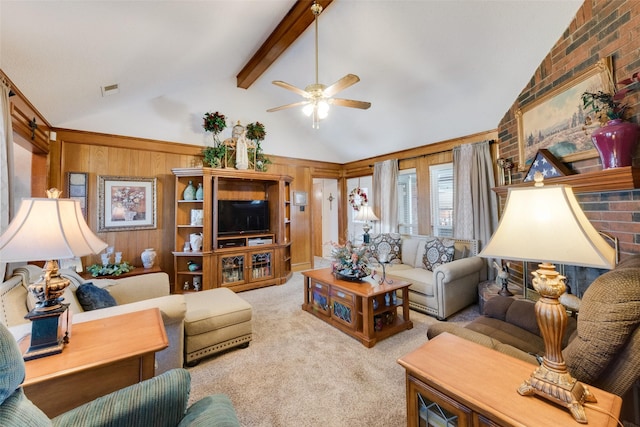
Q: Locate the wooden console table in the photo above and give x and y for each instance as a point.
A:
(358, 309)
(102, 356)
(450, 379)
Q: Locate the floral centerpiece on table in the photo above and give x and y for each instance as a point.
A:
(214, 123)
(350, 262)
(256, 133)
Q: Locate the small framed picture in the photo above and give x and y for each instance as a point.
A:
(300, 198)
(77, 189)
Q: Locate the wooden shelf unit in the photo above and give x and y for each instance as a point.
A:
(219, 251)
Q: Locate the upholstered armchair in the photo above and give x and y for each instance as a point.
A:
(159, 401)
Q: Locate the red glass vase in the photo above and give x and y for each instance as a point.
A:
(616, 143)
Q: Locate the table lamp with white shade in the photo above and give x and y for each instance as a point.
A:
(365, 213)
(48, 229)
(546, 224)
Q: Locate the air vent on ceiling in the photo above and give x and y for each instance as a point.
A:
(110, 89)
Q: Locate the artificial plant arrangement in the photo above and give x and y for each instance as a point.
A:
(617, 137)
(606, 106)
(256, 133)
(214, 123)
(110, 269)
(350, 262)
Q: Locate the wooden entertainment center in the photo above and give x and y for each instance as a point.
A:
(238, 261)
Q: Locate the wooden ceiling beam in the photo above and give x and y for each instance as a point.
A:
(288, 30)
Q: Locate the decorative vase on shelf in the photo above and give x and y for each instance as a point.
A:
(189, 192)
(195, 240)
(616, 143)
(148, 256)
(199, 192)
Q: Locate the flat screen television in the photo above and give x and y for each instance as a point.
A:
(243, 216)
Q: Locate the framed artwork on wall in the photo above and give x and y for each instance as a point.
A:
(77, 188)
(126, 203)
(555, 120)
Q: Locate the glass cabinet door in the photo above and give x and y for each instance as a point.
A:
(232, 269)
(261, 265)
(431, 408)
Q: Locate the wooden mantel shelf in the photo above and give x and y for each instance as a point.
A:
(616, 179)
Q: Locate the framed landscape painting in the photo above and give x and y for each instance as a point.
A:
(555, 121)
(126, 203)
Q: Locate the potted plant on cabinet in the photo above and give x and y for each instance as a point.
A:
(214, 123)
(256, 133)
(617, 137)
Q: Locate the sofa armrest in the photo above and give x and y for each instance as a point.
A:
(211, 411)
(159, 401)
(172, 308)
(458, 268)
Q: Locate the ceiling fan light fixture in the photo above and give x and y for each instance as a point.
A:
(323, 109)
(318, 97)
(307, 110)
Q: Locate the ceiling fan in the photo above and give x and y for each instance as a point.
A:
(319, 97)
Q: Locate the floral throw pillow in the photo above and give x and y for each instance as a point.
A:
(386, 243)
(437, 252)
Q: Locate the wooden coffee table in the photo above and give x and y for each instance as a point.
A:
(349, 306)
(102, 356)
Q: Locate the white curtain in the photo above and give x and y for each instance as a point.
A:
(6, 163)
(475, 206)
(385, 195)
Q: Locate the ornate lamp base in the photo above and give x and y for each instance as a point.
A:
(47, 336)
(561, 388)
(551, 380)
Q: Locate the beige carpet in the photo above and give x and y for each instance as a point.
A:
(299, 371)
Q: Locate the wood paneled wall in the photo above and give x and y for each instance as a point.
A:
(111, 155)
(100, 154)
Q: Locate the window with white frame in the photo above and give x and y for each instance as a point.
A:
(441, 177)
(407, 202)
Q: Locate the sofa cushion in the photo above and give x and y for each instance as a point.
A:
(390, 243)
(497, 307)
(92, 297)
(509, 334)
(609, 314)
(437, 252)
(412, 249)
(522, 314)
(421, 280)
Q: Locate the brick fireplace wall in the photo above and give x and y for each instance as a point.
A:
(601, 28)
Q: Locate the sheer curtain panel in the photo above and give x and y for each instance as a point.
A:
(385, 194)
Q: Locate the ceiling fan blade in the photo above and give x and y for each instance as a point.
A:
(283, 107)
(342, 84)
(350, 103)
(292, 88)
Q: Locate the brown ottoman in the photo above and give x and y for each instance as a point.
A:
(216, 320)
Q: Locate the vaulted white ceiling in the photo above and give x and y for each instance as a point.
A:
(433, 70)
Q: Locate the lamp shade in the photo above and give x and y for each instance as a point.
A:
(365, 213)
(547, 224)
(46, 229)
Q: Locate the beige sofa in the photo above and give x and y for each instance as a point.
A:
(131, 293)
(442, 292)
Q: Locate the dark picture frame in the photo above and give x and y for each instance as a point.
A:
(555, 120)
(126, 203)
(77, 189)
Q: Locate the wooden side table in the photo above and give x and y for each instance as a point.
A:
(102, 356)
(450, 379)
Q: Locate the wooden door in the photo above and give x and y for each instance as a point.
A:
(316, 219)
